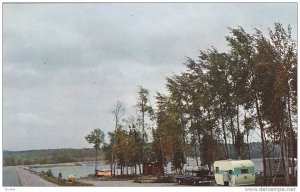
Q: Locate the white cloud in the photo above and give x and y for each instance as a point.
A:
(66, 65)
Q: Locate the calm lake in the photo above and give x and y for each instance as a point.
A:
(89, 167)
(77, 171)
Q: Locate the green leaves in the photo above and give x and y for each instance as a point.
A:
(96, 137)
(257, 74)
(205, 107)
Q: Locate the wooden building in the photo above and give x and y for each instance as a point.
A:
(153, 168)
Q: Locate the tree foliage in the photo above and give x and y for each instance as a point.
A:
(212, 108)
(96, 137)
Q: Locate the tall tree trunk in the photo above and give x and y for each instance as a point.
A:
(262, 136)
(237, 118)
(111, 163)
(162, 154)
(274, 147)
(224, 132)
(96, 160)
(238, 150)
(140, 171)
(292, 141)
(199, 142)
(248, 146)
(291, 134)
(114, 168)
(125, 163)
(286, 160)
(143, 131)
(247, 129)
(183, 139)
(269, 158)
(232, 131)
(284, 153)
(195, 149)
(210, 128)
(113, 144)
(209, 119)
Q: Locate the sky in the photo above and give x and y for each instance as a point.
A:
(65, 65)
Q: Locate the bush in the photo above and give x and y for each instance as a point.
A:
(49, 173)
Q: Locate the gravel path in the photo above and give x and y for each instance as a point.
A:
(24, 177)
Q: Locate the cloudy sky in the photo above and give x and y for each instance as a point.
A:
(66, 65)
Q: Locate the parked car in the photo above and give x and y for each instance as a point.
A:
(103, 173)
(195, 175)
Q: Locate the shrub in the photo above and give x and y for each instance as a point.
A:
(49, 173)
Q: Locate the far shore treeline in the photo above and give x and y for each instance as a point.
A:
(55, 156)
(47, 156)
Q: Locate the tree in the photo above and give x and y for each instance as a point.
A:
(263, 68)
(277, 56)
(212, 150)
(144, 107)
(96, 137)
(118, 111)
(243, 49)
(239, 143)
(220, 90)
(202, 117)
(249, 124)
(135, 138)
(167, 137)
(179, 89)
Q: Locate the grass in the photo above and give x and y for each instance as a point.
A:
(62, 182)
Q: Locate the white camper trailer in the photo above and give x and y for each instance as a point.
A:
(241, 172)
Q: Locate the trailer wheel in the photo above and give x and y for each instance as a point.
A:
(213, 183)
(179, 182)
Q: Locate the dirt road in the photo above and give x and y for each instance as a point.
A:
(128, 183)
(14, 176)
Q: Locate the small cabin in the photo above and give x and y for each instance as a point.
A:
(153, 168)
(241, 172)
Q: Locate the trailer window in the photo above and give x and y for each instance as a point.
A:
(244, 171)
(217, 169)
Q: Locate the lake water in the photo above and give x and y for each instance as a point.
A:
(77, 171)
(89, 167)
(258, 164)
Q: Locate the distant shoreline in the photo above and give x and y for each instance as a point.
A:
(61, 164)
(54, 165)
